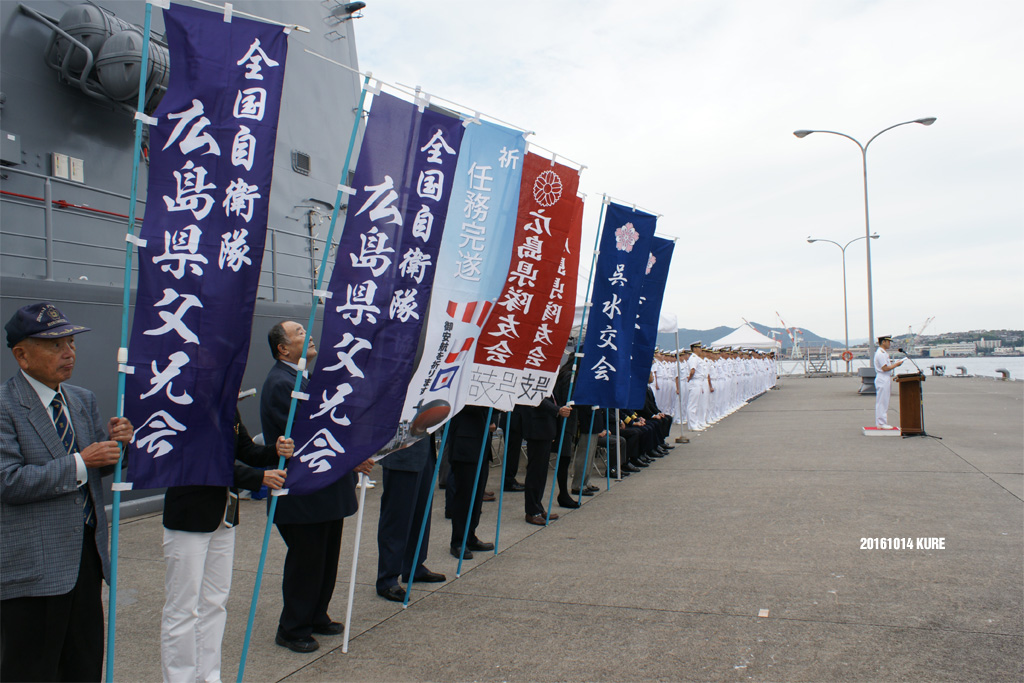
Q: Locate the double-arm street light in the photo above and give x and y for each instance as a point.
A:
(867, 226)
(846, 317)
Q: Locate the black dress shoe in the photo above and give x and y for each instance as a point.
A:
(514, 487)
(567, 502)
(667, 446)
(302, 645)
(614, 474)
(629, 468)
(592, 489)
(468, 555)
(430, 577)
(586, 492)
(477, 544)
(335, 628)
(393, 593)
(639, 464)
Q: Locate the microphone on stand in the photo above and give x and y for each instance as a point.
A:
(911, 360)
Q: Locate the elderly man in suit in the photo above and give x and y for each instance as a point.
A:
(54, 448)
(310, 525)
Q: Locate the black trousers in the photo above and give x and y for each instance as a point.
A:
(632, 436)
(538, 458)
(662, 425)
(402, 507)
(56, 637)
(310, 572)
(464, 511)
(514, 442)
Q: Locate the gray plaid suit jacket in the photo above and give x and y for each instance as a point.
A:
(41, 525)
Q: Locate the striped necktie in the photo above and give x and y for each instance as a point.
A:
(67, 436)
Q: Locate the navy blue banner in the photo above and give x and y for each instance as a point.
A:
(646, 338)
(211, 165)
(604, 370)
(380, 291)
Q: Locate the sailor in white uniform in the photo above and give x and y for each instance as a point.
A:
(696, 377)
(883, 381)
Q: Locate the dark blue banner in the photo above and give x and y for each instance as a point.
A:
(646, 338)
(211, 165)
(604, 370)
(380, 291)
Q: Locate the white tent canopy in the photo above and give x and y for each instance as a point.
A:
(746, 337)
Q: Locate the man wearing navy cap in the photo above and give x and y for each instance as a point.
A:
(54, 449)
(883, 381)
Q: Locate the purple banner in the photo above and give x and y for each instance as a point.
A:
(605, 367)
(211, 165)
(380, 290)
(646, 337)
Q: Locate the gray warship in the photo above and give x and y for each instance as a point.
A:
(68, 92)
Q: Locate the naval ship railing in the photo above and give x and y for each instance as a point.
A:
(73, 250)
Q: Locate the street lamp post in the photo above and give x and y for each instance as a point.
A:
(846, 317)
(867, 225)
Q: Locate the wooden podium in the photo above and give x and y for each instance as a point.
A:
(911, 405)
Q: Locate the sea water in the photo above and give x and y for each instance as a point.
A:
(978, 366)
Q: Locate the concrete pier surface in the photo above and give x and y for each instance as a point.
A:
(779, 545)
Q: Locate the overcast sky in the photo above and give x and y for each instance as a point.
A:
(686, 108)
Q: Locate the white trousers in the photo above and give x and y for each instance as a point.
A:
(693, 406)
(883, 388)
(196, 587)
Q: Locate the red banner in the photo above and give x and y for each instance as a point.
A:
(521, 346)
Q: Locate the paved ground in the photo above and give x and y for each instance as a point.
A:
(665, 576)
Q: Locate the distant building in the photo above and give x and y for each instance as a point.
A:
(958, 349)
(990, 343)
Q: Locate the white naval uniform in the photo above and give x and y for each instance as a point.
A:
(883, 387)
(694, 391)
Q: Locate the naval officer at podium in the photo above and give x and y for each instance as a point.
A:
(883, 381)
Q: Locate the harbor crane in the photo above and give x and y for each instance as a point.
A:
(795, 336)
(912, 338)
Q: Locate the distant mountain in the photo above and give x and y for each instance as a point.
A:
(667, 340)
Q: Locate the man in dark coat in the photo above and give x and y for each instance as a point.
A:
(539, 426)
(467, 433)
(403, 505)
(310, 525)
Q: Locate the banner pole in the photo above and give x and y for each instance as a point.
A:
(501, 492)
(575, 358)
(679, 388)
(476, 484)
(426, 515)
(298, 377)
(363, 481)
(122, 354)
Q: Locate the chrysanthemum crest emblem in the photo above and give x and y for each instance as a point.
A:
(626, 237)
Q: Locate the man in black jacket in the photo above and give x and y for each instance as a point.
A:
(468, 431)
(199, 546)
(403, 505)
(539, 426)
(310, 525)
